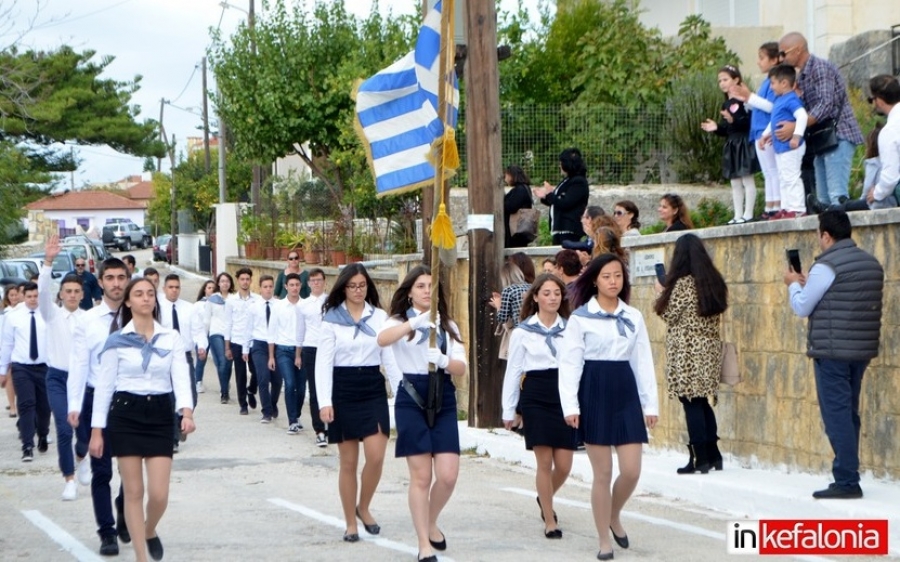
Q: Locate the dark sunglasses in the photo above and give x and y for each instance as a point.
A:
(871, 100)
(618, 213)
(293, 258)
(79, 265)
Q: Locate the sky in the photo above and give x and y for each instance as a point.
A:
(161, 40)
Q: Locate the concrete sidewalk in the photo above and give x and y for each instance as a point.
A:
(740, 490)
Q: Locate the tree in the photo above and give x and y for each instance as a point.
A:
(287, 82)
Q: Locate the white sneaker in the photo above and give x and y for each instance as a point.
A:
(321, 441)
(70, 492)
(83, 472)
(294, 429)
(200, 389)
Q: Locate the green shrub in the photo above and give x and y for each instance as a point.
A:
(544, 238)
(696, 154)
(711, 212)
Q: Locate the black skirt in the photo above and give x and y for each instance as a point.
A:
(611, 412)
(739, 157)
(414, 437)
(359, 398)
(542, 415)
(141, 425)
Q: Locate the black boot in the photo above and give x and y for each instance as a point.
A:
(699, 461)
(714, 456)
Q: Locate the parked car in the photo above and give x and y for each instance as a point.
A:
(33, 266)
(124, 235)
(161, 250)
(63, 263)
(84, 250)
(102, 252)
(24, 268)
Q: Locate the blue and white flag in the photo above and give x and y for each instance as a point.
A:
(397, 116)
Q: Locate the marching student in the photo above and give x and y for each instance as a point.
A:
(428, 447)
(218, 333)
(61, 322)
(256, 351)
(200, 320)
(351, 390)
(238, 338)
(284, 351)
(532, 384)
(142, 366)
(311, 333)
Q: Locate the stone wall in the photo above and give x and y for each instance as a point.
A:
(772, 417)
(877, 62)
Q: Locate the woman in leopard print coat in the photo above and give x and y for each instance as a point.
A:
(691, 303)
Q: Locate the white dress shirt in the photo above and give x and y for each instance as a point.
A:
(16, 338)
(411, 357)
(527, 352)
(284, 324)
(256, 319)
(311, 310)
(87, 341)
(121, 370)
(200, 319)
(597, 339)
(889, 152)
(338, 348)
(237, 318)
(218, 319)
(185, 310)
(60, 322)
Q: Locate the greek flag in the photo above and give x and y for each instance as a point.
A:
(397, 118)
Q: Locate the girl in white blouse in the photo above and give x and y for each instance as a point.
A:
(351, 390)
(607, 387)
(427, 448)
(141, 366)
(532, 384)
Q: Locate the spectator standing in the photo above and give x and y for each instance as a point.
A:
(568, 199)
(738, 156)
(842, 296)
(691, 303)
(824, 94)
(293, 266)
(885, 98)
(517, 198)
(626, 215)
(674, 213)
(91, 293)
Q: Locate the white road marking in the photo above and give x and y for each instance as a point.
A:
(656, 521)
(341, 524)
(68, 543)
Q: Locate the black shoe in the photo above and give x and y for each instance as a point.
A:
(605, 555)
(27, 455)
(621, 541)
(697, 462)
(843, 199)
(223, 400)
(42, 444)
(372, 529)
(155, 548)
(814, 205)
(839, 492)
(351, 537)
(122, 528)
(244, 412)
(109, 546)
(439, 545)
(554, 534)
(431, 558)
(251, 399)
(555, 518)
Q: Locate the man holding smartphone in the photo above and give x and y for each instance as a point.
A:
(842, 297)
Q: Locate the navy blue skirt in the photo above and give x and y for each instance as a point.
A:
(359, 397)
(542, 415)
(414, 437)
(611, 412)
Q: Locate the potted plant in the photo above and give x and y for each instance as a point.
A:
(285, 241)
(250, 235)
(315, 241)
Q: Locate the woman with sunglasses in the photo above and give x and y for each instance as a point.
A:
(626, 215)
(351, 391)
(293, 266)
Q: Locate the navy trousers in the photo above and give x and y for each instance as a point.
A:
(30, 382)
(838, 385)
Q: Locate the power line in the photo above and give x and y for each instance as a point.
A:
(183, 90)
(69, 20)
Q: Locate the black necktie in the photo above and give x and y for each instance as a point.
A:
(33, 350)
(175, 325)
(268, 313)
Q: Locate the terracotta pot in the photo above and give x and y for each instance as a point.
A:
(312, 257)
(354, 259)
(283, 253)
(271, 253)
(338, 257)
(252, 249)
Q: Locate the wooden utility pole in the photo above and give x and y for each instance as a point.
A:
(173, 218)
(485, 200)
(257, 171)
(221, 140)
(162, 134)
(205, 120)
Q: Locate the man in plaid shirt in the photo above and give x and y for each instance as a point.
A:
(824, 94)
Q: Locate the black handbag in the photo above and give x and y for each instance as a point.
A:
(822, 137)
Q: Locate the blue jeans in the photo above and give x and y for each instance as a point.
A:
(294, 381)
(833, 172)
(56, 394)
(223, 366)
(838, 385)
(199, 366)
(269, 381)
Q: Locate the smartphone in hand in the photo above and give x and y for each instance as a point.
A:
(793, 257)
(660, 273)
